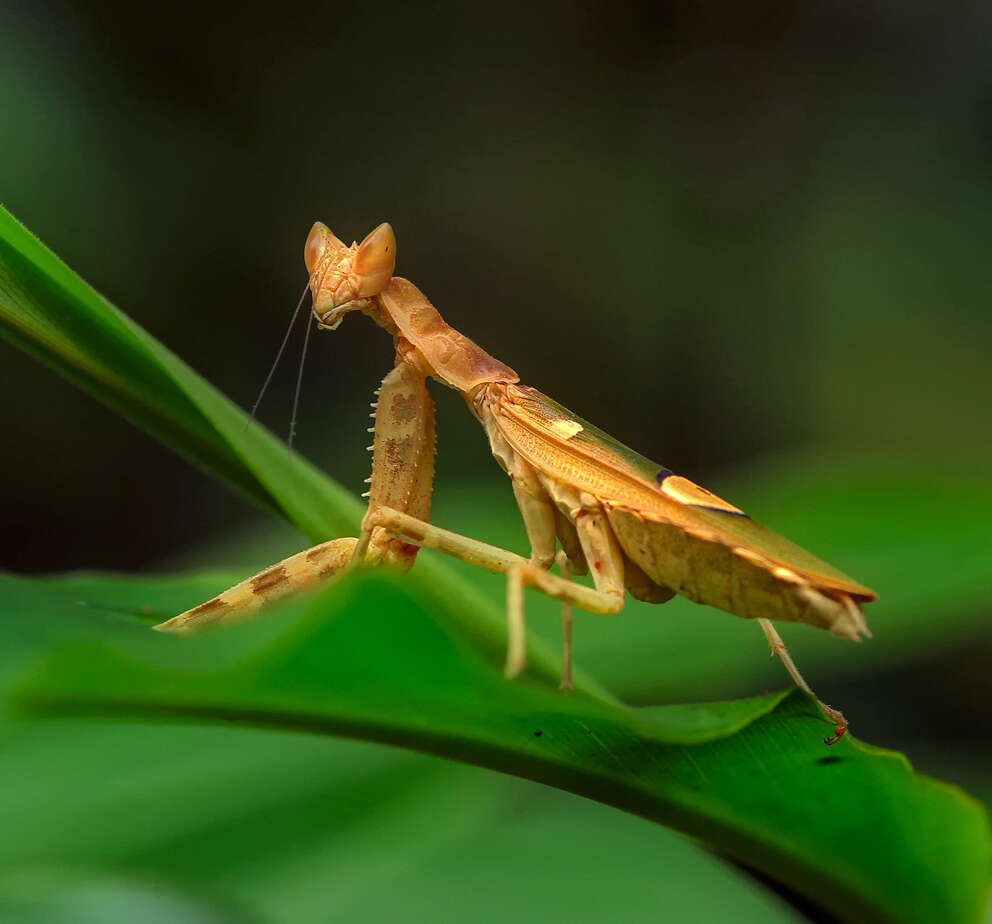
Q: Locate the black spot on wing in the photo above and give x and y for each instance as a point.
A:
(662, 475)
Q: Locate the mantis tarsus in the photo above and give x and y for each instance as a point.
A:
(634, 524)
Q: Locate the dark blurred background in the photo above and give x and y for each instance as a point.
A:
(720, 231)
(743, 238)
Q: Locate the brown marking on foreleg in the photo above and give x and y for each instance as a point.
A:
(208, 613)
(269, 579)
(402, 461)
(293, 575)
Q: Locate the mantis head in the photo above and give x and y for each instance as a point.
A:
(342, 278)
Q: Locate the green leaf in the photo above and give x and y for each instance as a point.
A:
(58, 897)
(305, 828)
(853, 827)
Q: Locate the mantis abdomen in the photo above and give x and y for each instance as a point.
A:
(702, 567)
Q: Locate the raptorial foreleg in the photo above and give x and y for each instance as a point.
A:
(402, 476)
(402, 462)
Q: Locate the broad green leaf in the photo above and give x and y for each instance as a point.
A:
(853, 827)
(60, 897)
(303, 828)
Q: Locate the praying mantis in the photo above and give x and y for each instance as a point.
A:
(636, 526)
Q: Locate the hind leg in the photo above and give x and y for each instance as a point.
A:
(778, 648)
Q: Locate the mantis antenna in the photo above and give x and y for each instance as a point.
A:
(299, 380)
(275, 362)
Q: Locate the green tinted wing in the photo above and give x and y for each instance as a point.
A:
(590, 440)
(651, 488)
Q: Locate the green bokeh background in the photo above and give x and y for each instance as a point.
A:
(750, 241)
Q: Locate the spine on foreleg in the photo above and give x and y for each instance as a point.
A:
(402, 458)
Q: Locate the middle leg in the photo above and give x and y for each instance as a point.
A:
(489, 557)
(520, 573)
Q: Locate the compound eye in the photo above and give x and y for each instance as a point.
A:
(375, 261)
(316, 243)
